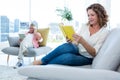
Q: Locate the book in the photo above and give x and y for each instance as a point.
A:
(21, 36)
(67, 31)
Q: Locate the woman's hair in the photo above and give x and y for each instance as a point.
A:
(101, 13)
(32, 25)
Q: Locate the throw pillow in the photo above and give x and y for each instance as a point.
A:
(109, 55)
(44, 32)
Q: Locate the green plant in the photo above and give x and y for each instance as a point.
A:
(65, 14)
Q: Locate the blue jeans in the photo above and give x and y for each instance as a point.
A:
(66, 54)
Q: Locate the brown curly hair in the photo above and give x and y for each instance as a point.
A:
(101, 13)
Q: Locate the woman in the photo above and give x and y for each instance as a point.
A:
(86, 44)
(32, 39)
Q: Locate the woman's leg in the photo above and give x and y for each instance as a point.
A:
(71, 60)
(62, 49)
(22, 49)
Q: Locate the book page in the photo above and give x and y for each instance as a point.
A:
(67, 31)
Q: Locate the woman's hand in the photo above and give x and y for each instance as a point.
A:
(20, 40)
(68, 40)
(77, 38)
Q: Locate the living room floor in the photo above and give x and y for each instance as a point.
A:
(13, 59)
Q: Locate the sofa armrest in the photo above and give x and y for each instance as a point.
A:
(56, 72)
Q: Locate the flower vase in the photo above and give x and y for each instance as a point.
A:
(66, 22)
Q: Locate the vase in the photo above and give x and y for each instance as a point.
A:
(66, 22)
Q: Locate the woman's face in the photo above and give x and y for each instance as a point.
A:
(92, 17)
(31, 29)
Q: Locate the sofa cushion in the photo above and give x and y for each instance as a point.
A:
(31, 51)
(11, 50)
(61, 72)
(44, 32)
(109, 55)
(38, 51)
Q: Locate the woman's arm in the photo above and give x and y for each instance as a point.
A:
(80, 40)
(38, 36)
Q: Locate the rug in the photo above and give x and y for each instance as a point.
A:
(9, 73)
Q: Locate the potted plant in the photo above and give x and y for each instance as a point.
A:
(65, 14)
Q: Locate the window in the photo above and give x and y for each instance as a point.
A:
(13, 13)
(16, 15)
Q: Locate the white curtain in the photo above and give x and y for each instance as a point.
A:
(115, 14)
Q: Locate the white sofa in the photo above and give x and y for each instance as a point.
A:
(105, 65)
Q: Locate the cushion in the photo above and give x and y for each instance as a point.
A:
(109, 55)
(13, 41)
(57, 72)
(38, 51)
(44, 32)
(32, 51)
(11, 50)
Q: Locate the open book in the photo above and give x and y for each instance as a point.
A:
(67, 31)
